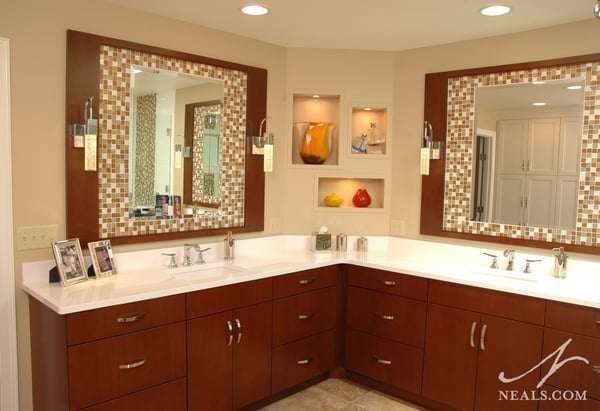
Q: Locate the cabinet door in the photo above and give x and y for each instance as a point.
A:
(450, 363)
(540, 200)
(543, 143)
(511, 347)
(209, 356)
(570, 143)
(512, 146)
(509, 199)
(251, 354)
(565, 211)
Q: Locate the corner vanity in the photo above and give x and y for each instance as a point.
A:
(434, 334)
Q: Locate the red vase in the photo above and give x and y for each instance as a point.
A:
(361, 198)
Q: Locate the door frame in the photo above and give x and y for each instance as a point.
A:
(9, 388)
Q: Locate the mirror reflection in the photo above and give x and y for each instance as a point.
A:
(526, 153)
(160, 147)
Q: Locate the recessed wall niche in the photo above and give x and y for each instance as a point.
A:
(315, 129)
(369, 131)
(346, 188)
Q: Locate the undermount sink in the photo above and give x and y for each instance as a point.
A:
(514, 275)
(203, 272)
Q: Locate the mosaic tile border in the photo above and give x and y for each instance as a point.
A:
(113, 145)
(459, 156)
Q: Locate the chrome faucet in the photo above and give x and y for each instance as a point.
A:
(560, 263)
(511, 259)
(187, 261)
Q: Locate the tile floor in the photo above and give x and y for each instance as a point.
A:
(338, 394)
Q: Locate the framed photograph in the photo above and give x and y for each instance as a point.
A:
(102, 258)
(69, 261)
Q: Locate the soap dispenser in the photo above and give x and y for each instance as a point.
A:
(229, 242)
(560, 263)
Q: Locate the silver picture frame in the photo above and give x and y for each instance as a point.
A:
(102, 258)
(69, 261)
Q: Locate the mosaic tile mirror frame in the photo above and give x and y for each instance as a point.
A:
(459, 160)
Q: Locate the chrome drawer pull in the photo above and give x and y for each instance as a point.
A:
(596, 368)
(305, 316)
(384, 362)
(131, 318)
(384, 316)
(238, 325)
(132, 365)
(389, 283)
(307, 282)
(482, 337)
(230, 331)
(598, 323)
(304, 362)
(472, 338)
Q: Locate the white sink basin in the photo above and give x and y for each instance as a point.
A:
(497, 273)
(205, 272)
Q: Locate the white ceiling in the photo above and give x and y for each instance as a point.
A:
(384, 25)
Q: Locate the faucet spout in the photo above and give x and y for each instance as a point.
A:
(511, 259)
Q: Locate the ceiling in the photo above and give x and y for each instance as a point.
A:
(383, 25)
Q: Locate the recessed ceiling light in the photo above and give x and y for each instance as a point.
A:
(540, 104)
(255, 10)
(574, 88)
(368, 109)
(496, 10)
(316, 96)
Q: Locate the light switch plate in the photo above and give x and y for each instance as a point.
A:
(34, 237)
(397, 227)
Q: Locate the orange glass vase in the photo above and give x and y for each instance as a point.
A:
(361, 198)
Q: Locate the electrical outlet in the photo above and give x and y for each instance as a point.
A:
(397, 227)
(274, 225)
(34, 237)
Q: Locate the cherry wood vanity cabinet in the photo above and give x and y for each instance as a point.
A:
(229, 345)
(385, 326)
(110, 358)
(472, 336)
(577, 329)
(305, 314)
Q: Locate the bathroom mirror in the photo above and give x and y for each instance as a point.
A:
(157, 143)
(98, 202)
(447, 192)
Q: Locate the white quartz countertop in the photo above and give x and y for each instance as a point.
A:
(144, 274)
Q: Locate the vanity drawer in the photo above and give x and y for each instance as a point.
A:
(302, 360)
(303, 315)
(121, 319)
(229, 297)
(388, 282)
(169, 396)
(574, 374)
(109, 368)
(384, 360)
(506, 305)
(303, 281)
(573, 318)
(390, 316)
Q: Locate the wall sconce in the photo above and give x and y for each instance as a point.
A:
(85, 135)
(430, 150)
(263, 145)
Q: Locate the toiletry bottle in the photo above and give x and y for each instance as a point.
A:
(229, 243)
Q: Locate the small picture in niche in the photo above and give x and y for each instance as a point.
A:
(69, 261)
(102, 258)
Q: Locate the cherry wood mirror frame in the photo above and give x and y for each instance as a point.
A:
(83, 82)
(433, 185)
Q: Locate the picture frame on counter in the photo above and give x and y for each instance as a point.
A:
(69, 261)
(102, 258)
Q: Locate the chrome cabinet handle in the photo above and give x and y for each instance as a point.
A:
(598, 323)
(238, 326)
(472, 338)
(304, 362)
(596, 368)
(131, 318)
(305, 316)
(381, 361)
(384, 316)
(482, 337)
(230, 332)
(132, 365)
(389, 283)
(308, 281)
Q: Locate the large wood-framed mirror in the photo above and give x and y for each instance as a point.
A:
(101, 203)
(447, 192)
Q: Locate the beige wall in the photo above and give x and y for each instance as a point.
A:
(36, 29)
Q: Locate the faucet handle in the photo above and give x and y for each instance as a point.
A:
(200, 258)
(172, 262)
(494, 261)
(527, 269)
